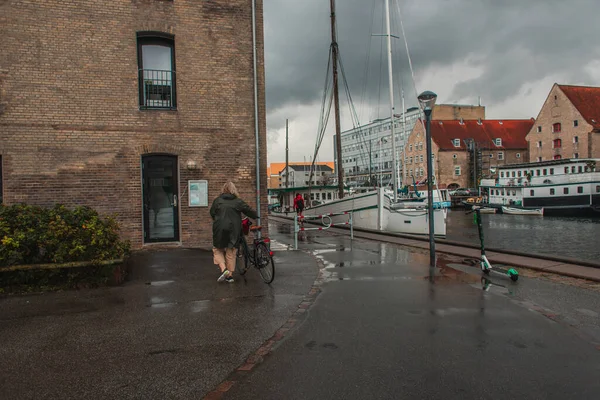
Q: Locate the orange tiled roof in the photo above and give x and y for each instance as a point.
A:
(512, 133)
(587, 101)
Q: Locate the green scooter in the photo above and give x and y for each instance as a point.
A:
(486, 267)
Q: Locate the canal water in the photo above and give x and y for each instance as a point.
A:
(558, 236)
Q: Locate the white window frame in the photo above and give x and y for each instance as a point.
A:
(454, 156)
(498, 142)
(457, 170)
(575, 139)
(518, 155)
(456, 142)
(539, 129)
(500, 155)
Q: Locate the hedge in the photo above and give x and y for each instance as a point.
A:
(58, 235)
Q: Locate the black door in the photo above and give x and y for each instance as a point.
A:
(161, 200)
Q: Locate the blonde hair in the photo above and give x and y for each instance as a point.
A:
(229, 188)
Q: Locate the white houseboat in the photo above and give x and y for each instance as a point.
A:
(560, 187)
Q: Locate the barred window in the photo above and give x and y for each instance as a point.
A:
(156, 64)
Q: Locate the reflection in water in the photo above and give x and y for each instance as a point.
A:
(558, 236)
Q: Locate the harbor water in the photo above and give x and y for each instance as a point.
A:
(571, 237)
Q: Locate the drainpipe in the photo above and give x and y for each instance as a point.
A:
(256, 125)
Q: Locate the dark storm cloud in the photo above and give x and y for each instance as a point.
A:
(514, 42)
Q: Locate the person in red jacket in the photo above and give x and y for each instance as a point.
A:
(299, 204)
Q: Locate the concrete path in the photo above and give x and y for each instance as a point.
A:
(386, 326)
(172, 332)
(571, 268)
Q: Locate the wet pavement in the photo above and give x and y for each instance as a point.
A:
(386, 326)
(171, 332)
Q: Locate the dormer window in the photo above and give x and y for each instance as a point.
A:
(498, 142)
(556, 127)
(456, 142)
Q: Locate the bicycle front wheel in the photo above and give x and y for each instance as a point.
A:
(265, 263)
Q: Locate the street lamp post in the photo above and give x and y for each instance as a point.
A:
(427, 100)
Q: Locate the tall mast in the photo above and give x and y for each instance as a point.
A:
(404, 139)
(336, 101)
(287, 151)
(389, 46)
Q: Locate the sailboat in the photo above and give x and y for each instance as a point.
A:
(376, 209)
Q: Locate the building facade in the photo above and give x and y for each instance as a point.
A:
(367, 150)
(141, 109)
(304, 175)
(465, 151)
(274, 170)
(568, 125)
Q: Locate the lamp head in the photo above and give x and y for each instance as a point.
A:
(427, 99)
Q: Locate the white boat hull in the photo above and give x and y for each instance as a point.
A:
(372, 211)
(523, 211)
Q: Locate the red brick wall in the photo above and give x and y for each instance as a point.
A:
(561, 110)
(70, 127)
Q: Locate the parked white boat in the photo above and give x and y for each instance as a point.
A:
(523, 211)
(373, 210)
(488, 210)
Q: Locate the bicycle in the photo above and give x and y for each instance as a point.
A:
(260, 256)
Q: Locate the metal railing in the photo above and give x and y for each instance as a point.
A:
(326, 221)
(157, 88)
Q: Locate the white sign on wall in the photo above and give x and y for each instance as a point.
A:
(198, 193)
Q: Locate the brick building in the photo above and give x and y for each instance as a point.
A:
(118, 104)
(465, 150)
(367, 150)
(568, 125)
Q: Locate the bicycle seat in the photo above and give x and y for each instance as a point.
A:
(256, 228)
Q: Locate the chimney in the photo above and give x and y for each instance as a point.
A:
(462, 121)
(479, 121)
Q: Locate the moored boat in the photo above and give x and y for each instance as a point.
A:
(523, 211)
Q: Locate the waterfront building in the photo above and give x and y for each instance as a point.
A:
(465, 151)
(568, 125)
(367, 150)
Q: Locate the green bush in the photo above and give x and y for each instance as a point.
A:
(36, 235)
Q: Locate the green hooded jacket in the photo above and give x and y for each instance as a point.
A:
(226, 212)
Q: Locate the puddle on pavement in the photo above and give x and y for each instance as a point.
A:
(199, 305)
(163, 305)
(158, 283)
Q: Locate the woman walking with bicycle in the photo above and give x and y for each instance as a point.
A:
(226, 212)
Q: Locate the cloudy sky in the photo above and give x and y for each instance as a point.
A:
(508, 52)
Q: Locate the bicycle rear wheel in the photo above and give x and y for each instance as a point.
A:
(265, 263)
(242, 265)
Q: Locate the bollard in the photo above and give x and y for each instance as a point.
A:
(351, 225)
(296, 232)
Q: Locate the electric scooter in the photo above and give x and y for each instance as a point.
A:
(486, 267)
